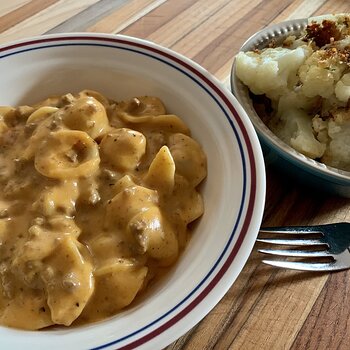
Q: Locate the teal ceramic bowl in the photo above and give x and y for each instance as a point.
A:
(288, 161)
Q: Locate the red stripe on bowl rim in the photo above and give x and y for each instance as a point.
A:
(169, 55)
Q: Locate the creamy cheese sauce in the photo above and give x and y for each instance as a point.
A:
(95, 201)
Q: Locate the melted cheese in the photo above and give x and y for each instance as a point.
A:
(95, 199)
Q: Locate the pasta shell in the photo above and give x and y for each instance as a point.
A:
(43, 128)
(123, 149)
(116, 287)
(69, 282)
(41, 114)
(3, 127)
(67, 154)
(128, 118)
(189, 158)
(185, 204)
(170, 123)
(5, 109)
(88, 191)
(28, 310)
(43, 240)
(52, 101)
(127, 203)
(167, 122)
(55, 199)
(123, 183)
(155, 235)
(3, 230)
(143, 105)
(96, 95)
(104, 247)
(161, 171)
(86, 114)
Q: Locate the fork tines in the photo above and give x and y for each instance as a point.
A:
(304, 241)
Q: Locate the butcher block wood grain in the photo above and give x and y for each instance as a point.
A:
(266, 308)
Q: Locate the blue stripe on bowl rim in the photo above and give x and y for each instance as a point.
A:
(196, 74)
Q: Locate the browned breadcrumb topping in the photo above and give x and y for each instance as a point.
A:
(341, 56)
(324, 33)
(272, 44)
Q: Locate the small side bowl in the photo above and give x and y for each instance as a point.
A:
(234, 191)
(277, 153)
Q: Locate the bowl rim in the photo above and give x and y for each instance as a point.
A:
(257, 185)
(241, 91)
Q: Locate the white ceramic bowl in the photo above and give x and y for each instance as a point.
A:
(234, 191)
(306, 170)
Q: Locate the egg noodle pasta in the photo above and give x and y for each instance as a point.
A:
(96, 197)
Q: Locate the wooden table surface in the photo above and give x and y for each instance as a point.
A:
(266, 308)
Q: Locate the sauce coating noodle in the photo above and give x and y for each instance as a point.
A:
(96, 197)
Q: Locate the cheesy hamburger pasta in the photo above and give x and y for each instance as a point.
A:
(96, 197)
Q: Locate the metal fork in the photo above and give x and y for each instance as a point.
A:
(334, 239)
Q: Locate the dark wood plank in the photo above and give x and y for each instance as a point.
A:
(328, 324)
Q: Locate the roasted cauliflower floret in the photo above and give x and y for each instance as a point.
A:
(270, 71)
(319, 74)
(308, 83)
(296, 130)
(342, 88)
(338, 150)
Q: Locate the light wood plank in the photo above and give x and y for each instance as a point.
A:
(128, 14)
(300, 9)
(158, 17)
(44, 20)
(22, 13)
(334, 6)
(295, 294)
(266, 308)
(89, 16)
(222, 49)
(9, 6)
(186, 22)
(213, 27)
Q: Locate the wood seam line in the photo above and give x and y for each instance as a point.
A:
(11, 6)
(237, 24)
(189, 20)
(141, 14)
(226, 321)
(306, 318)
(187, 339)
(269, 214)
(91, 15)
(291, 3)
(257, 300)
(132, 17)
(231, 316)
(200, 23)
(24, 12)
(184, 339)
(177, 14)
(299, 7)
